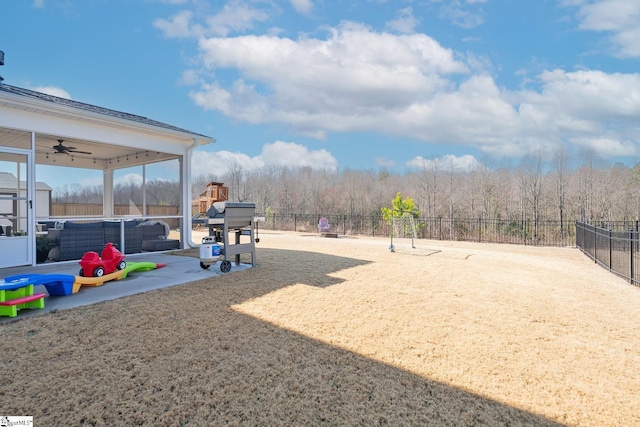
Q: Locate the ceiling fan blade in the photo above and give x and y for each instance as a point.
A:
(63, 149)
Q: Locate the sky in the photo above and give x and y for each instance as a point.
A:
(346, 84)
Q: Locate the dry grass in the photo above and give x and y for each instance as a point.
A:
(343, 332)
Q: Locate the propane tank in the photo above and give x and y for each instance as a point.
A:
(209, 250)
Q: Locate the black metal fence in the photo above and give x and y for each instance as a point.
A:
(614, 245)
(525, 232)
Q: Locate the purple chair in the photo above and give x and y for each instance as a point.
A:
(323, 226)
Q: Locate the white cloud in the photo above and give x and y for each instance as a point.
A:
(235, 16)
(409, 86)
(292, 154)
(464, 163)
(593, 94)
(190, 77)
(53, 90)
(342, 83)
(611, 145)
(302, 6)
(460, 15)
(278, 153)
(384, 162)
(213, 97)
(619, 18)
(404, 23)
(220, 162)
(179, 26)
(584, 108)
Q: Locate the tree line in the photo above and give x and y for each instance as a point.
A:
(541, 186)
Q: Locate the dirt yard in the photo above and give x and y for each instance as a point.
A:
(344, 332)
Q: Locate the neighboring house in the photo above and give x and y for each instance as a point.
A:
(8, 209)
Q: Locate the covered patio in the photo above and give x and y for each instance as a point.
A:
(40, 129)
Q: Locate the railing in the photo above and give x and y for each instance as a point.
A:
(614, 247)
(169, 213)
(82, 233)
(525, 232)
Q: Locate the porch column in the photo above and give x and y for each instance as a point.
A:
(144, 190)
(107, 193)
(185, 208)
(185, 200)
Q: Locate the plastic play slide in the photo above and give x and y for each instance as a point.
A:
(65, 284)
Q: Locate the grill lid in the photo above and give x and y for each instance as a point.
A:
(218, 209)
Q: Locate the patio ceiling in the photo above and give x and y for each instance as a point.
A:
(103, 156)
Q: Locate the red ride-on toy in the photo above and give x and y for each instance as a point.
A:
(92, 265)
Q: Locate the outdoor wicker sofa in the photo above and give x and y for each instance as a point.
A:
(75, 238)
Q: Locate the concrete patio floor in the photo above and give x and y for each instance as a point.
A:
(178, 270)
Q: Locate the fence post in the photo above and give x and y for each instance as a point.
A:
(295, 223)
(631, 269)
(595, 243)
(610, 249)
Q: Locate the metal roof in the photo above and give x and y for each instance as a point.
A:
(101, 153)
(93, 108)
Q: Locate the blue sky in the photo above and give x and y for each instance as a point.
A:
(367, 84)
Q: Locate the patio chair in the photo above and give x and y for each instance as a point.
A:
(323, 226)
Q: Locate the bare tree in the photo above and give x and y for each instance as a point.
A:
(487, 191)
(560, 160)
(507, 195)
(238, 189)
(428, 185)
(531, 183)
(635, 188)
(286, 195)
(591, 190)
(586, 183)
(199, 183)
(455, 186)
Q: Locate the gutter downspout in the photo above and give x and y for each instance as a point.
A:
(186, 204)
(187, 191)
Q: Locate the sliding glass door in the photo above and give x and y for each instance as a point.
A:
(16, 203)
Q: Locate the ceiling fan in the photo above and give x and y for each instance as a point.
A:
(62, 149)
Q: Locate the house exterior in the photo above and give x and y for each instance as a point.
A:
(41, 129)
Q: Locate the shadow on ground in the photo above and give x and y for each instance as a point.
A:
(182, 356)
